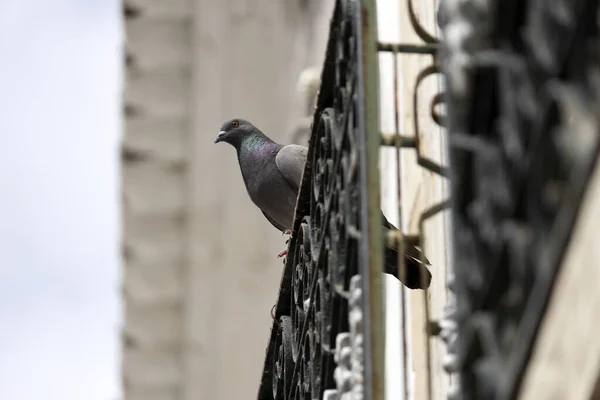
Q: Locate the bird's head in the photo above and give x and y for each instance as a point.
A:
(234, 131)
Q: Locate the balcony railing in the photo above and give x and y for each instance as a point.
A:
(523, 97)
(522, 129)
(329, 313)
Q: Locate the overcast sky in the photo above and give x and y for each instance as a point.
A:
(59, 213)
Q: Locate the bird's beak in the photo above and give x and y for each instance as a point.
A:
(220, 137)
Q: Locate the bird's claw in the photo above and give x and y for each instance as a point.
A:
(285, 232)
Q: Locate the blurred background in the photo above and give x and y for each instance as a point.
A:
(60, 91)
(201, 272)
(120, 266)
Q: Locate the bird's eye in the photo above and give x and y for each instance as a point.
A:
(235, 124)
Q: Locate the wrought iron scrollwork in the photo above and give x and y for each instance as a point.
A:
(523, 100)
(429, 47)
(318, 317)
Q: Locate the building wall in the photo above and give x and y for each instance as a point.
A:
(419, 189)
(423, 189)
(200, 266)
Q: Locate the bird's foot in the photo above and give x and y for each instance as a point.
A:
(283, 253)
(286, 232)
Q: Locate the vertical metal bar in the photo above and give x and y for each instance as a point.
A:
(427, 318)
(423, 248)
(371, 248)
(400, 261)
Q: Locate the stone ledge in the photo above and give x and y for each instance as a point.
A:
(154, 239)
(152, 188)
(162, 93)
(156, 368)
(153, 328)
(160, 8)
(151, 284)
(160, 139)
(158, 43)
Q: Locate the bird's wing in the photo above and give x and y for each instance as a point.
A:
(290, 161)
(273, 222)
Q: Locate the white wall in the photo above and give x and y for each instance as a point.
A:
(420, 189)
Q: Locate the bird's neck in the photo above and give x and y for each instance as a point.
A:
(255, 156)
(255, 144)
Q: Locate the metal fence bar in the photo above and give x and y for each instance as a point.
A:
(371, 255)
(408, 140)
(399, 238)
(327, 339)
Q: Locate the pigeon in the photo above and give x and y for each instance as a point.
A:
(272, 173)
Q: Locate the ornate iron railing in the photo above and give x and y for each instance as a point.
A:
(329, 312)
(524, 116)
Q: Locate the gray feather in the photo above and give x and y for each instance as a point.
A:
(290, 161)
(274, 222)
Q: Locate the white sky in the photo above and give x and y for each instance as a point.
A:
(59, 199)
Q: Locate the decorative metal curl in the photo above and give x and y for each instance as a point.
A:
(429, 47)
(520, 168)
(419, 29)
(317, 291)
